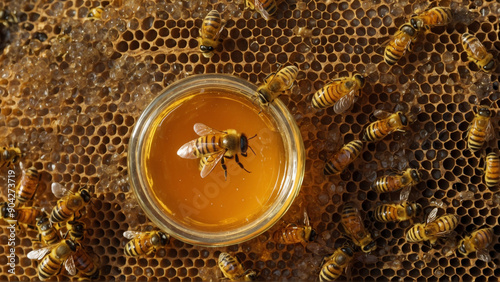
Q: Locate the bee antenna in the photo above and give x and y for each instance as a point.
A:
(252, 149)
(252, 137)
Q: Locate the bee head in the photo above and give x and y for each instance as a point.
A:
(85, 194)
(41, 221)
(489, 66)
(72, 245)
(484, 111)
(77, 225)
(164, 238)
(410, 29)
(360, 79)
(262, 94)
(348, 251)
(414, 209)
(403, 118)
(243, 143)
(461, 247)
(312, 235)
(370, 247)
(4, 211)
(415, 175)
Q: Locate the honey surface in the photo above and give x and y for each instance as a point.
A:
(213, 203)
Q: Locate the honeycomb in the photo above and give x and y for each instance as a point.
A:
(72, 88)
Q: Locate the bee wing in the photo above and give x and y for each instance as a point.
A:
(405, 193)
(476, 47)
(187, 151)
(261, 10)
(58, 190)
(38, 254)
(432, 215)
(381, 114)
(490, 133)
(202, 129)
(210, 165)
(345, 102)
(483, 255)
(69, 264)
(131, 234)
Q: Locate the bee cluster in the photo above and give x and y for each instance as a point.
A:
(75, 76)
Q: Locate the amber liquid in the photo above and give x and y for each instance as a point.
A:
(214, 203)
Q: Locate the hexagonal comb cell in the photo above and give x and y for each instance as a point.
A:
(75, 76)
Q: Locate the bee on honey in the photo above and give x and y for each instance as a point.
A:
(219, 145)
(481, 129)
(209, 34)
(27, 216)
(437, 16)
(388, 123)
(47, 233)
(144, 243)
(75, 230)
(492, 170)
(354, 228)
(292, 234)
(82, 262)
(334, 265)
(398, 212)
(95, 13)
(476, 52)
(9, 156)
(53, 257)
(233, 270)
(433, 228)
(478, 241)
(346, 155)
(275, 83)
(69, 204)
(341, 93)
(266, 8)
(28, 186)
(400, 42)
(396, 181)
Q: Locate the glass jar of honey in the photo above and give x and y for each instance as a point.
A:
(218, 209)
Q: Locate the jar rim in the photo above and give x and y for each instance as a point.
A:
(292, 141)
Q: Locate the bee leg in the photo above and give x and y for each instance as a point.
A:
(240, 164)
(224, 167)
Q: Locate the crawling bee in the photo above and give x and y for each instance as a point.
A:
(213, 146)
(209, 34)
(334, 265)
(275, 83)
(26, 216)
(346, 155)
(492, 170)
(144, 243)
(47, 233)
(400, 42)
(354, 228)
(266, 8)
(233, 270)
(9, 156)
(293, 234)
(437, 16)
(53, 257)
(387, 124)
(477, 53)
(480, 130)
(70, 203)
(398, 212)
(340, 93)
(27, 187)
(478, 241)
(95, 13)
(82, 262)
(433, 228)
(394, 182)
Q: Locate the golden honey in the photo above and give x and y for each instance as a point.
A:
(214, 203)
